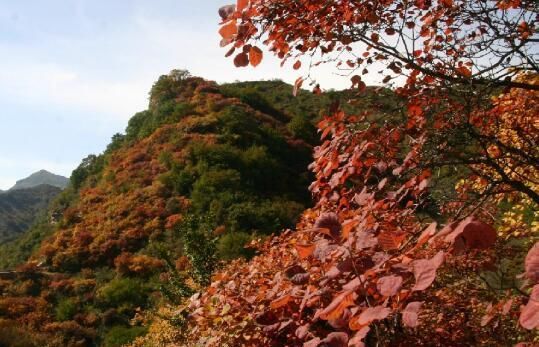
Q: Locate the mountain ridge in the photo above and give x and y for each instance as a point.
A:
(41, 177)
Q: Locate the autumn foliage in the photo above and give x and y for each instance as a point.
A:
(422, 215)
(424, 230)
(118, 242)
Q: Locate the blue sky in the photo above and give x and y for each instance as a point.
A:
(72, 72)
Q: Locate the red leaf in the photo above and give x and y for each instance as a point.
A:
(302, 331)
(356, 79)
(357, 340)
(336, 339)
(410, 314)
(228, 30)
(423, 184)
(375, 37)
(529, 316)
(507, 306)
(447, 3)
(241, 60)
(389, 285)
(255, 56)
(425, 271)
(297, 65)
(312, 343)
(230, 52)
(531, 264)
(415, 110)
(373, 313)
(390, 31)
(365, 240)
(472, 234)
(488, 316)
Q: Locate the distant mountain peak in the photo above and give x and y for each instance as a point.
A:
(41, 177)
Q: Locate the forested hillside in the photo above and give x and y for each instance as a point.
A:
(201, 173)
(19, 209)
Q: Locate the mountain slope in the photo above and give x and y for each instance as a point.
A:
(19, 208)
(203, 171)
(196, 155)
(39, 178)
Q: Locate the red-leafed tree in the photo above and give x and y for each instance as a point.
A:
(412, 206)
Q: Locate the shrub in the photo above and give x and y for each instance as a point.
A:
(199, 246)
(232, 245)
(65, 310)
(123, 291)
(121, 335)
(302, 127)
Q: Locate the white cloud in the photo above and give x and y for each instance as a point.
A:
(39, 83)
(110, 75)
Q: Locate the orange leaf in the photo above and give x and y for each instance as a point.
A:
(464, 71)
(297, 65)
(228, 30)
(389, 240)
(347, 228)
(337, 306)
(255, 56)
(280, 302)
(305, 251)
